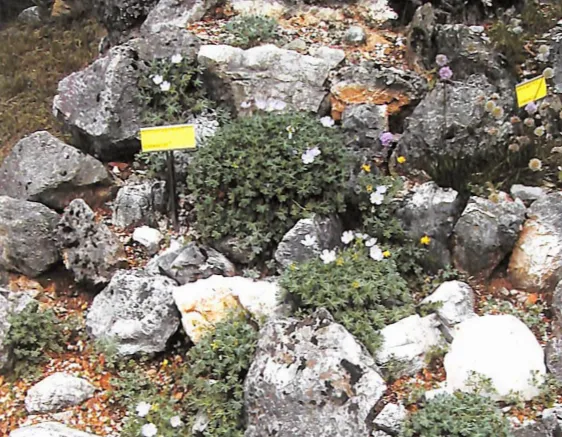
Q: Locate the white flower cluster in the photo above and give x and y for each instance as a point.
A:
(149, 429)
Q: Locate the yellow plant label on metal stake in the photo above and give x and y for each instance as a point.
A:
(166, 138)
(531, 91)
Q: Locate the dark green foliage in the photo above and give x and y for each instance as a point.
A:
(218, 365)
(33, 334)
(185, 97)
(250, 30)
(362, 294)
(458, 415)
(250, 181)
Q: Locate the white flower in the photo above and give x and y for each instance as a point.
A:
(328, 256)
(327, 121)
(176, 59)
(382, 189)
(176, 422)
(371, 242)
(347, 237)
(165, 86)
(157, 79)
(363, 237)
(309, 240)
(246, 104)
(376, 253)
(149, 430)
(377, 198)
(143, 408)
(310, 154)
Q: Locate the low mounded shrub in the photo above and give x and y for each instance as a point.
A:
(363, 294)
(259, 175)
(458, 415)
(250, 30)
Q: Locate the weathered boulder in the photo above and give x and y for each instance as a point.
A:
(450, 134)
(137, 205)
(391, 418)
(41, 168)
(456, 305)
(30, 15)
(148, 237)
(89, 249)
(363, 125)
(536, 261)
(406, 342)
(176, 13)
(485, 233)
(49, 429)
(310, 378)
(99, 104)
(232, 248)
(498, 347)
(190, 262)
(119, 16)
(265, 73)
(27, 237)
(136, 311)
(556, 308)
(325, 231)
(369, 83)
(207, 301)
(10, 303)
(431, 210)
(57, 392)
(527, 194)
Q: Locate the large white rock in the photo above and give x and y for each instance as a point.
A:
(207, 301)
(408, 341)
(148, 237)
(49, 429)
(56, 392)
(457, 304)
(499, 347)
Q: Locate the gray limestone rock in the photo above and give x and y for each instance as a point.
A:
(265, 72)
(137, 205)
(57, 392)
(433, 211)
(391, 418)
(485, 233)
(355, 35)
(136, 311)
(527, 194)
(99, 104)
(310, 378)
(27, 237)
(41, 168)
(456, 305)
(176, 13)
(190, 262)
(49, 429)
(536, 261)
(448, 134)
(90, 250)
(324, 231)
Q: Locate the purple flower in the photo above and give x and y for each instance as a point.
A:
(441, 60)
(531, 108)
(386, 138)
(445, 73)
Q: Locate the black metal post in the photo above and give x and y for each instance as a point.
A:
(173, 198)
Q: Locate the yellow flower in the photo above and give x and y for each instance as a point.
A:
(234, 165)
(355, 284)
(355, 256)
(366, 168)
(214, 345)
(425, 240)
(535, 164)
(155, 407)
(293, 266)
(369, 188)
(386, 254)
(165, 363)
(401, 160)
(339, 261)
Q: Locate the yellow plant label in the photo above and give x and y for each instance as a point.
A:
(530, 91)
(162, 138)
